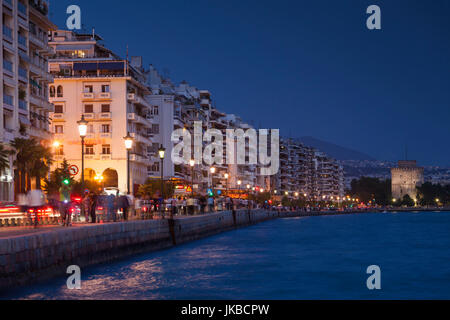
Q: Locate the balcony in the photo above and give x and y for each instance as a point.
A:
(134, 98)
(87, 96)
(105, 157)
(8, 4)
(89, 116)
(105, 116)
(105, 135)
(58, 117)
(140, 137)
(104, 96)
(139, 119)
(139, 158)
(41, 134)
(22, 9)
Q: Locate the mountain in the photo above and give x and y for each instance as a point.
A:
(335, 151)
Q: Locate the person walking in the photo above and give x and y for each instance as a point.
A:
(124, 205)
(64, 206)
(211, 204)
(93, 199)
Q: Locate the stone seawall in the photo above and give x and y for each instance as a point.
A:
(37, 257)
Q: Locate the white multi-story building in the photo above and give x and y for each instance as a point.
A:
(25, 77)
(111, 94)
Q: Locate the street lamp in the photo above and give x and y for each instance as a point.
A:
(82, 129)
(239, 184)
(128, 145)
(192, 164)
(226, 176)
(162, 153)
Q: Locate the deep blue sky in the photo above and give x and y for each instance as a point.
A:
(310, 68)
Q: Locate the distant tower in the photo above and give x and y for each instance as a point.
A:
(406, 178)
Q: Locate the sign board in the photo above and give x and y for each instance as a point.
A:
(73, 170)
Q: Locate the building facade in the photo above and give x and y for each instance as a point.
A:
(405, 179)
(25, 78)
(111, 94)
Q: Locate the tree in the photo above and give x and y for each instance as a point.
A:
(4, 158)
(152, 188)
(57, 178)
(369, 189)
(407, 201)
(428, 193)
(32, 160)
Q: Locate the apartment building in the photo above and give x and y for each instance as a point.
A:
(307, 173)
(111, 93)
(25, 78)
(179, 107)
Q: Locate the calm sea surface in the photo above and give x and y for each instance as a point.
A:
(303, 258)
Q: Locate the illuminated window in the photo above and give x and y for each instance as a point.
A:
(89, 149)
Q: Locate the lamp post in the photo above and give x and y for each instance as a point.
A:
(226, 176)
(212, 170)
(162, 153)
(128, 145)
(239, 184)
(82, 129)
(192, 164)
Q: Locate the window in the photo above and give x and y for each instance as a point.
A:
(91, 128)
(155, 111)
(105, 88)
(89, 149)
(52, 91)
(89, 108)
(106, 108)
(60, 92)
(59, 129)
(88, 89)
(59, 109)
(155, 129)
(155, 167)
(106, 149)
(106, 128)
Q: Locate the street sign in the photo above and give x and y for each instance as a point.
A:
(73, 170)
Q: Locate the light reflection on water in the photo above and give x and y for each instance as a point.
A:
(302, 258)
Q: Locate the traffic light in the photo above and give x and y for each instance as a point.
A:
(66, 182)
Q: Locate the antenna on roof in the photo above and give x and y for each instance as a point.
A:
(93, 33)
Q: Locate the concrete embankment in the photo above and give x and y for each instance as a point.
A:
(36, 257)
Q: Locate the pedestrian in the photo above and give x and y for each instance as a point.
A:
(85, 206)
(64, 207)
(110, 199)
(173, 207)
(93, 199)
(202, 204)
(124, 205)
(210, 204)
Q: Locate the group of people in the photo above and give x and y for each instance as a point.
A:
(111, 204)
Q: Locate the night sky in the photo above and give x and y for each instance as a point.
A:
(309, 68)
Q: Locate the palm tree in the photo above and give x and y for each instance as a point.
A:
(4, 158)
(32, 160)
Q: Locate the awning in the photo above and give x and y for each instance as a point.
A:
(34, 83)
(111, 66)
